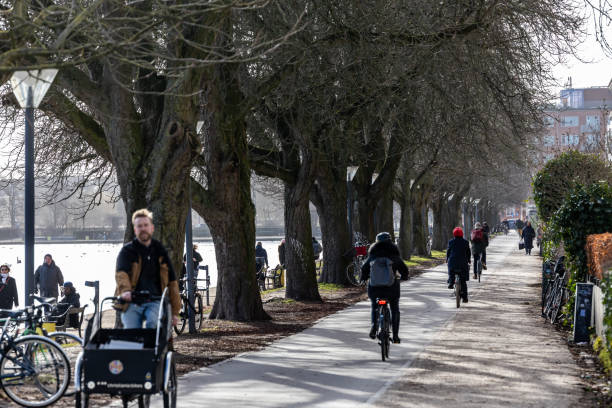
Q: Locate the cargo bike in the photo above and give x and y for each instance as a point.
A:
(130, 363)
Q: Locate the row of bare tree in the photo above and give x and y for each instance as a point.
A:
(438, 99)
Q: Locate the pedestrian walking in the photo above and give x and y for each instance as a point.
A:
(143, 264)
(316, 248)
(48, 278)
(8, 288)
(528, 236)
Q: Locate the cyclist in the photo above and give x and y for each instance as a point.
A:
(143, 265)
(480, 242)
(385, 248)
(458, 257)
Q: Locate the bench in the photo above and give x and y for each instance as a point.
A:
(80, 311)
(274, 277)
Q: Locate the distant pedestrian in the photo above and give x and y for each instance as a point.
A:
(71, 299)
(282, 249)
(261, 256)
(8, 288)
(528, 236)
(48, 278)
(519, 227)
(316, 248)
(197, 258)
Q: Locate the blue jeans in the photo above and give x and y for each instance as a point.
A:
(135, 315)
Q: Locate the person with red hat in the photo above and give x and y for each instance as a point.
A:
(458, 256)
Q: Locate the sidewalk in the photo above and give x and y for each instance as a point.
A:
(496, 352)
(491, 352)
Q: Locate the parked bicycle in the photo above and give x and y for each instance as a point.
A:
(34, 370)
(358, 255)
(383, 333)
(556, 292)
(197, 307)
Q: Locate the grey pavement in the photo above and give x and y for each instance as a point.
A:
(335, 364)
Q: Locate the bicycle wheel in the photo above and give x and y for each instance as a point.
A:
(556, 305)
(458, 290)
(170, 392)
(199, 311)
(352, 274)
(387, 331)
(180, 326)
(34, 371)
(72, 346)
(144, 400)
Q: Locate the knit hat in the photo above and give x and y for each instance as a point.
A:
(458, 232)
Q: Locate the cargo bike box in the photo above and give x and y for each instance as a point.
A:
(131, 363)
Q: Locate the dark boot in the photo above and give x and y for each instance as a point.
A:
(373, 332)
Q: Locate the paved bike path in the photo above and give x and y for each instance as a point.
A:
(496, 352)
(334, 362)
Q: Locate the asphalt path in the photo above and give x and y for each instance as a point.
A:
(335, 364)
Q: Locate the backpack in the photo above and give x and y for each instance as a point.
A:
(477, 235)
(381, 272)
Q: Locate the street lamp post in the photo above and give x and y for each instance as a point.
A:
(30, 88)
(191, 287)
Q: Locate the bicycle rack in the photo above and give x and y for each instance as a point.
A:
(207, 280)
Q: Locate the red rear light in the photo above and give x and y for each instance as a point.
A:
(382, 302)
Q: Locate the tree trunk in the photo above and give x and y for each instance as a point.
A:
(329, 197)
(301, 281)
(226, 204)
(383, 220)
(419, 224)
(405, 232)
(440, 236)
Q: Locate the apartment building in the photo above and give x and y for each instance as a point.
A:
(581, 121)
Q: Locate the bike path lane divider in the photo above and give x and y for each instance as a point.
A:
(332, 363)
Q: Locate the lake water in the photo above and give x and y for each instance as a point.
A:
(83, 262)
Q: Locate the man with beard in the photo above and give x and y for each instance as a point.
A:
(143, 265)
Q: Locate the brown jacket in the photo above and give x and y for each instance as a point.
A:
(127, 281)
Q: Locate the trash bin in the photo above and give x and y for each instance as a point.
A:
(582, 312)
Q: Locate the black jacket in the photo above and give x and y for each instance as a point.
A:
(8, 294)
(528, 236)
(48, 278)
(386, 249)
(458, 254)
(281, 254)
(74, 300)
(389, 250)
(260, 252)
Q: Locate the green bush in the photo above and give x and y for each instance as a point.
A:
(585, 211)
(561, 175)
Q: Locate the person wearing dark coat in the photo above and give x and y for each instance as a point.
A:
(8, 289)
(384, 247)
(48, 277)
(458, 258)
(71, 298)
(528, 235)
(281, 253)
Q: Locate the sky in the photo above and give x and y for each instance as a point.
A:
(598, 72)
